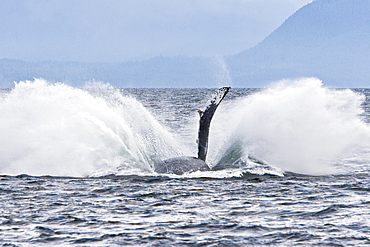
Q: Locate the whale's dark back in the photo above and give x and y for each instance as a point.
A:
(180, 165)
(205, 121)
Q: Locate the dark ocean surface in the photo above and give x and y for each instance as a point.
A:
(77, 167)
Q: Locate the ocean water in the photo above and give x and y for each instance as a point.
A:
(76, 166)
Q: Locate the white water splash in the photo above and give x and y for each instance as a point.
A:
(297, 125)
(55, 129)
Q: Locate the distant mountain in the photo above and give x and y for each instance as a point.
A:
(328, 39)
(162, 72)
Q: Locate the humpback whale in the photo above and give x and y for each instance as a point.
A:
(183, 164)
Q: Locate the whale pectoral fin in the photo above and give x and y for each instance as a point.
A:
(181, 165)
(220, 95)
(205, 121)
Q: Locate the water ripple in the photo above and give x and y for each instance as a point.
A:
(148, 211)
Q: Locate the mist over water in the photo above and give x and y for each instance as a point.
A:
(294, 125)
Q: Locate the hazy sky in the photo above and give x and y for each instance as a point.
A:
(120, 30)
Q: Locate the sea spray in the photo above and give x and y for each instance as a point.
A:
(221, 75)
(55, 129)
(297, 125)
